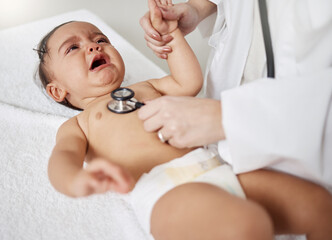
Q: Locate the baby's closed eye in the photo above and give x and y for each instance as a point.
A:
(102, 40)
(71, 48)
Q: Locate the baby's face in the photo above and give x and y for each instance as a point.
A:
(83, 63)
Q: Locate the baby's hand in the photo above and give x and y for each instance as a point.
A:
(161, 25)
(101, 176)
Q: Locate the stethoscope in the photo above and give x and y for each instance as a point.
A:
(267, 39)
(123, 101)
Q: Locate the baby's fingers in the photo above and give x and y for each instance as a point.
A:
(115, 177)
(83, 185)
(164, 2)
(102, 186)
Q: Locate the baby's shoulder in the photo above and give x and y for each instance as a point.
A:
(144, 91)
(73, 125)
(70, 124)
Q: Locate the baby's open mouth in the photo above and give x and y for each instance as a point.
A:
(98, 61)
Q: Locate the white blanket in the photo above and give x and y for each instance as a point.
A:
(29, 207)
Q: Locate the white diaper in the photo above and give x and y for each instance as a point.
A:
(200, 165)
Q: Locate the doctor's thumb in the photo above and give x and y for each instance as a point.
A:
(143, 112)
(172, 12)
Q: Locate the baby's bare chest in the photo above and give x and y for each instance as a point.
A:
(118, 136)
(108, 132)
(122, 139)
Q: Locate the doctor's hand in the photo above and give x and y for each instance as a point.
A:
(160, 24)
(185, 13)
(101, 176)
(184, 121)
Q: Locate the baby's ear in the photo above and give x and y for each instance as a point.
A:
(56, 92)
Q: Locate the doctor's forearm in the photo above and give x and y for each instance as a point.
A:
(210, 121)
(204, 8)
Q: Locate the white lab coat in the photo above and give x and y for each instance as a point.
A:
(283, 123)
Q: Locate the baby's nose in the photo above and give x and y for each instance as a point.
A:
(93, 47)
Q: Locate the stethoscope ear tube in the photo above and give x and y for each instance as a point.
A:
(267, 38)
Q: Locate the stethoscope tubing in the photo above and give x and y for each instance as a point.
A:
(267, 39)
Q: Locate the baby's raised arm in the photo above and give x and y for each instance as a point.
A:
(66, 171)
(186, 76)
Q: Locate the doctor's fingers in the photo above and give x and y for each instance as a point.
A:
(153, 39)
(175, 134)
(158, 43)
(164, 108)
(153, 123)
(145, 23)
(156, 113)
(150, 109)
(151, 33)
(161, 52)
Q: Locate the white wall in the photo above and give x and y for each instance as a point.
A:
(121, 15)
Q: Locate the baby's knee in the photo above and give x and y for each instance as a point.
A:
(255, 223)
(200, 211)
(319, 212)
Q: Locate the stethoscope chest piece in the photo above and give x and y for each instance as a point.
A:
(123, 101)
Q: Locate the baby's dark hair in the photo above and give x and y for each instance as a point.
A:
(42, 50)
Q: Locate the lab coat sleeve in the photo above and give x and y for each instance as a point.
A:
(207, 25)
(282, 124)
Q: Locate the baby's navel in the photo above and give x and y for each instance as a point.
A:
(99, 115)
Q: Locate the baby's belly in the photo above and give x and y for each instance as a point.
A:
(121, 138)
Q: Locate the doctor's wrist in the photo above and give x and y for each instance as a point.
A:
(203, 8)
(211, 121)
(216, 121)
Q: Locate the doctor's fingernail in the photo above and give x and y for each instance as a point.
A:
(167, 49)
(155, 36)
(168, 38)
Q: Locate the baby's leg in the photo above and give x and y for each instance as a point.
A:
(295, 205)
(203, 211)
